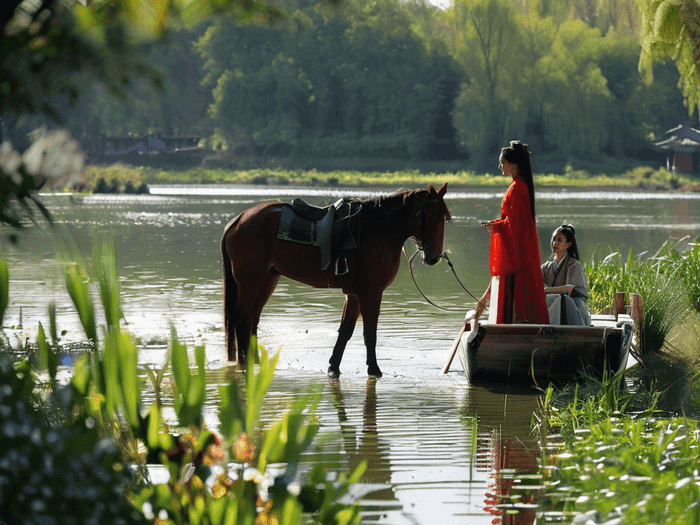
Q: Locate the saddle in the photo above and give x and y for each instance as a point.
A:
(328, 227)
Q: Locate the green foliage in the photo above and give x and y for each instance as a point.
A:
(18, 190)
(663, 294)
(683, 259)
(277, 92)
(613, 466)
(79, 470)
(55, 474)
(4, 288)
(671, 29)
(488, 45)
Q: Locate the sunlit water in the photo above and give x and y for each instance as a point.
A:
(432, 443)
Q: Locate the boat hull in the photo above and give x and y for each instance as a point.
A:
(543, 354)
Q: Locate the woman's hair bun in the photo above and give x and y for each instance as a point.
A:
(569, 227)
(518, 146)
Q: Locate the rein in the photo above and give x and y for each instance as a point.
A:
(421, 244)
(444, 256)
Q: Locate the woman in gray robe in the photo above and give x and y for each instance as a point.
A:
(565, 280)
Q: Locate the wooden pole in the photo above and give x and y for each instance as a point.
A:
(466, 327)
(620, 306)
(636, 309)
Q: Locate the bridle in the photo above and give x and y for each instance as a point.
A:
(420, 243)
(420, 222)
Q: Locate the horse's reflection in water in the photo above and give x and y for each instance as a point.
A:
(366, 445)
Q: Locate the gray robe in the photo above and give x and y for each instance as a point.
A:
(570, 271)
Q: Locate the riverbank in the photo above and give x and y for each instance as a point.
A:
(120, 176)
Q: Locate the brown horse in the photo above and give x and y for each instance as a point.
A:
(254, 259)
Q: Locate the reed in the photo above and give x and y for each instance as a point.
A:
(660, 285)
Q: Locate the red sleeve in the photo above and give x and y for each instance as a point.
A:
(514, 237)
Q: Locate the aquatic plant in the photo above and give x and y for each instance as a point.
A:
(612, 466)
(213, 478)
(683, 258)
(663, 294)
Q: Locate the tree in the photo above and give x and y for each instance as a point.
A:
(671, 29)
(49, 47)
(486, 41)
(576, 94)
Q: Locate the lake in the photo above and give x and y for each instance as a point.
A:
(434, 445)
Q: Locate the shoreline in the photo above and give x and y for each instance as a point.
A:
(123, 179)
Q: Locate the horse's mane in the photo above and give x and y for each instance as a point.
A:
(387, 212)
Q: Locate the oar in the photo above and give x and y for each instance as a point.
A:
(466, 327)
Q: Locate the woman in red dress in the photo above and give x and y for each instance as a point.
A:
(516, 289)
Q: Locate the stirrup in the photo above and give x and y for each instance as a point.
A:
(341, 270)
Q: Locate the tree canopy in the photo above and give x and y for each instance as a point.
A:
(671, 29)
(397, 79)
(50, 50)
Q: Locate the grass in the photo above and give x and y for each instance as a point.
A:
(609, 463)
(666, 281)
(631, 176)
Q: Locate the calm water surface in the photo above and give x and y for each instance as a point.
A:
(434, 445)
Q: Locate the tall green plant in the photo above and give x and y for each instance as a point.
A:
(658, 283)
(4, 288)
(107, 392)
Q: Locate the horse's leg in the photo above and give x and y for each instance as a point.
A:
(265, 291)
(351, 311)
(230, 302)
(251, 290)
(369, 307)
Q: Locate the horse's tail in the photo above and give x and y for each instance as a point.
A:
(230, 296)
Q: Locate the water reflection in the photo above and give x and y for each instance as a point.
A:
(366, 445)
(507, 451)
(438, 451)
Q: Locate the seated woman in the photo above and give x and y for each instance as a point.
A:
(565, 280)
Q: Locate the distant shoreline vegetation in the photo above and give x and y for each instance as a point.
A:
(120, 178)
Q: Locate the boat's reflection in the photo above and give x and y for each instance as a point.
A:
(507, 450)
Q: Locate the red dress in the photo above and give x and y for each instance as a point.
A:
(515, 258)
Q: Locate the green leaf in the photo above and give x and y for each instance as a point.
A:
(105, 265)
(668, 22)
(230, 411)
(128, 364)
(4, 288)
(110, 362)
(180, 363)
(197, 388)
(81, 376)
(256, 387)
(43, 348)
(77, 286)
(153, 427)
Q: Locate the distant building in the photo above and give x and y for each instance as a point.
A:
(682, 145)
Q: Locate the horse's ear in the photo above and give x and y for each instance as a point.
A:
(441, 192)
(431, 189)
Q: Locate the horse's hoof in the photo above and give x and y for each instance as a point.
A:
(374, 373)
(333, 374)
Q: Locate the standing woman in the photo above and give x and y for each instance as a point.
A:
(565, 280)
(516, 289)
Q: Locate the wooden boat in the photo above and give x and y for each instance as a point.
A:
(540, 354)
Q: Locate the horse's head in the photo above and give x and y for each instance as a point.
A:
(431, 218)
